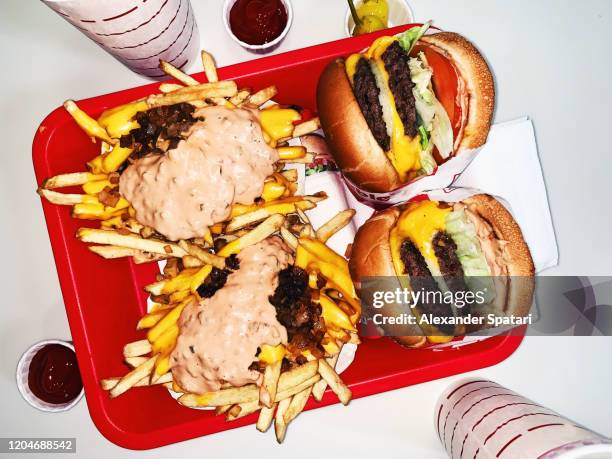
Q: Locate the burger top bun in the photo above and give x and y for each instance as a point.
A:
(478, 81)
(371, 256)
(354, 147)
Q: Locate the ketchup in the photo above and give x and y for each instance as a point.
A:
(257, 22)
(54, 375)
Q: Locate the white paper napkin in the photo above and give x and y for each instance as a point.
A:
(508, 167)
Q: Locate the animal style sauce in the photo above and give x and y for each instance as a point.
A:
(257, 22)
(53, 375)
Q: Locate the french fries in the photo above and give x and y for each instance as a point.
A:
(72, 179)
(267, 392)
(261, 232)
(110, 237)
(191, 93)
(210, 69)
(335, 224)
(177, 74)
(279, 396)
(307, 127)
(129, 380)
(263, 96)
(335, 383)
(136, 348)
(202, 255)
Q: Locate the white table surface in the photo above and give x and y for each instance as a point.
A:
(551, 61)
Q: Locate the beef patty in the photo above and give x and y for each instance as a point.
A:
(297, 313)
(422, 280)
(400, 83)
(366, 92)
(165, 123)
(450, 266)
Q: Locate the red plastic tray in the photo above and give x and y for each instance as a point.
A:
(104, 298)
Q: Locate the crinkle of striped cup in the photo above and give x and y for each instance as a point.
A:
(480, 419)
(138, 33)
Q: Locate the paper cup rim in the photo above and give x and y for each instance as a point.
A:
(21, 375)
(226, 11)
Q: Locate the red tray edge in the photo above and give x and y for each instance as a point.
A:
(140, 441)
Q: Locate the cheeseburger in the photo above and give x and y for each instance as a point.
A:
(404, 106)
(470, 246)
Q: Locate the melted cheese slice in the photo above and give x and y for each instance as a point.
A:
(419, 222)
(404, 152)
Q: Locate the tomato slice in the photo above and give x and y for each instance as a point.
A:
(444, 82)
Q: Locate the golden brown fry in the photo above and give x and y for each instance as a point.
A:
(66, 199)
(222, 409)
(280, 426)
(208, 62)
(298, 402)
(240, 97)
(203, 255)
(288, 381)
(258, 234)
(111, 251)
(290, 174)
(72, 179)
(194, 93)
(334, 381)
(291, 153)
(109, 383)
(146, 257)
(128, 381)
(289, 238)
(289, 392)
(135, 361)
(189, 261)
(136, 348)
(177, 74)
(317, 197)
(319, 388)
(169, 87)
(306, 159)
(263, 95)
(258, 215)
(110, 237)
(244, 410)
(233, 411)
(335, 224)
(91, 127)
(231, 396)
(266, 415)
(267, 391)
(306, 127)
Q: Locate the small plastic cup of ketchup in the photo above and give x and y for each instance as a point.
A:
(48, 376)
(257, 25)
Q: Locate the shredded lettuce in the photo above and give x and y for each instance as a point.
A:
(411, 36)
(428, 163)
(470, 254)
(424, 137)
(428, 107)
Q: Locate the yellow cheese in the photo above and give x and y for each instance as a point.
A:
(419, 222)
(119, 120)
(404, 152)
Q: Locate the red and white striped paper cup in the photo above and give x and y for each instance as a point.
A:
(137, 33)
(480, 419)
